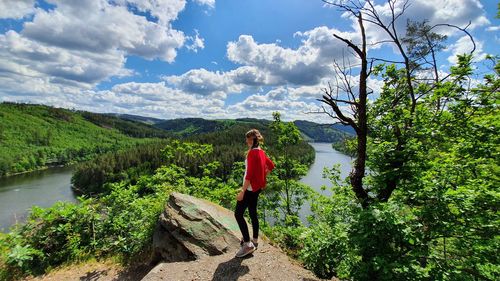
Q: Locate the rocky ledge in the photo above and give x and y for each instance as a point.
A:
(197, 240)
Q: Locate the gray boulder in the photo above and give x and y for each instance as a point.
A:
(190, 228)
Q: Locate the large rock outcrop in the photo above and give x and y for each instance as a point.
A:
(198, 240)
(191, 228)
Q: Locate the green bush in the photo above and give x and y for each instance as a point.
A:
(119, 224)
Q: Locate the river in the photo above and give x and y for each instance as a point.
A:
(326, 156)
(41, 188)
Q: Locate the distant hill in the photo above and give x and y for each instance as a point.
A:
(34, 136)
(142, 119)
(191, 126)
(185, 127)
(323, 132)
(132, 127)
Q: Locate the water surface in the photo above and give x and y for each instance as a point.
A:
(41, 188)
(326, 156)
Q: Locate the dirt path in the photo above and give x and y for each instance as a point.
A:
(266, 263)
(94, 271)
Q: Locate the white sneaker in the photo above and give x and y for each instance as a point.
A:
(246, 249)
(254, 241)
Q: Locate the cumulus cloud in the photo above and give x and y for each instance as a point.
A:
(455, 12)
(209, 3)
(164, 10)
(464, 46)
(16, 9)
(305, 65)
(205, 82)
(263, 104)
(202, 82)
(97, 26)
(153, 99)
(20, 56)
(81, 43)
(196, 42)
(253, 76)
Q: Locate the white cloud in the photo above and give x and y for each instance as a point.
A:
(305, 69)
(16, 9)
(84, 42)
(278, 99)
(455, 12)
(20, 56)
(209, 3)
(164, 10)
(253, 76)
(306, 92)
(196, 42)
(204, 82)
(306, 65)
(98, 26)
(493, 28)
(464, 46)
(153, 99)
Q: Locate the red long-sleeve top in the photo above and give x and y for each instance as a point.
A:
(257, 164)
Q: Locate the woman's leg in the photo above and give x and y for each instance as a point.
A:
(252, 209)
(238, 214)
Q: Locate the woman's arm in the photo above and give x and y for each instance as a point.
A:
(269, 165)
(246, 184)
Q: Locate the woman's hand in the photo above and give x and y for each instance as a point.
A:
(240, 195)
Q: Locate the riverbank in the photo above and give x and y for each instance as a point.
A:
(42, 188)
(43, 168)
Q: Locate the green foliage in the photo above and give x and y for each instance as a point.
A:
(287, 236)
(286, 193)
(229, 146)
(128, 127)
(191, 126)
(322, 132)
(346, 146)
(327, 248)
(36, 136)
(90, 177)
(326, 251)
(441, 221)
(119, 223)
(420, 42)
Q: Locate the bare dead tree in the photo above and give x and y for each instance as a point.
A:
(366, 12)
(358, 104)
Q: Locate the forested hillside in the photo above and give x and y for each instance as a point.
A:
(228, 147)
(190, 126)
(185, 127)
(34, 136)
(323, 132)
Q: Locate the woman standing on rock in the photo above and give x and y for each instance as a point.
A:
(257, 166)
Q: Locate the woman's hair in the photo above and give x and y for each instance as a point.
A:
(256, 136)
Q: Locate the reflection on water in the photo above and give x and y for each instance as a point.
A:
(326, 156)
(41, 188)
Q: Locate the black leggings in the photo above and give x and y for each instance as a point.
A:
(250, 201)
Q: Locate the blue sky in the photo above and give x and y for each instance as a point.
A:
(200, 58)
